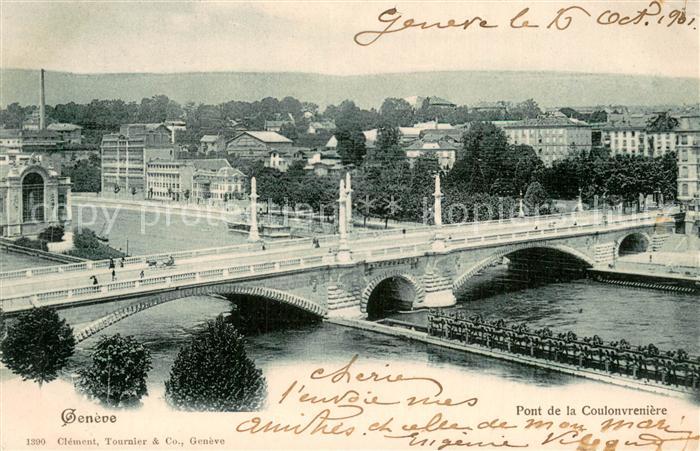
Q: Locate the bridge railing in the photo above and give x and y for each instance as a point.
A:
(141, 260)
(315, 258)
(156, 283)
(323, 240)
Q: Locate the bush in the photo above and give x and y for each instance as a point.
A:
(86, 245)
(53, 234)
(213, 372)
(38, 345)
(32, 244)
(117, 374)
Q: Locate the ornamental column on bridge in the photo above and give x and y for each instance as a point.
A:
(521, 210)
(579, 203)
(343, 248)
(438, 240)
(348, 203)
(253, 234)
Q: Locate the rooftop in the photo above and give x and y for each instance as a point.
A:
(547, 122)
(432, 145)
(61, 127)
(268, 137)
(211, 164)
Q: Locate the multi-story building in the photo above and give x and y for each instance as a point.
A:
(193, 180)
(629, 134)
(688, 155)
(688, 158)
(16, 140)
(125, 156)
(41, 140)
(637, 140)
(553, 138)
(69, 133)
(257, 145)
(282, 159)
(444, 150)
(169, 179)
(217, 181)
(10, 141)
(175, 127)
(212, 143)
(32, 197)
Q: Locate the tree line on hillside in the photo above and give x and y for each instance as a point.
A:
(105, 116)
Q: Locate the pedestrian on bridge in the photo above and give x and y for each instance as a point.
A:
(111, 263)
(121, 262)
(94, 280)
(141, 274)
(114, 275)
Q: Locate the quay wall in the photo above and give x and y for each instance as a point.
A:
(668, 282)
(496, 354)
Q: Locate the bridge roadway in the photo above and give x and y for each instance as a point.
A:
(70, 283)
(20, 283)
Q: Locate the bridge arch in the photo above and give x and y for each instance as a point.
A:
(226, 289)
(462, 279)
(407, 287)
(632, 243)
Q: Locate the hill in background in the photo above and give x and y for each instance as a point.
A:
(461, 87)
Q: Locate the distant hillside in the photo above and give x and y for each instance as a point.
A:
(461, 87)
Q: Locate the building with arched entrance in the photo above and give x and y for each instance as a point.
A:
(32, 198)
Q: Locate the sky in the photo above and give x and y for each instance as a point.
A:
(109, 37)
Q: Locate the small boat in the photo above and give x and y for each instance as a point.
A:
(100, 236)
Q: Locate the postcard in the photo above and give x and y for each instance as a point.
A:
(350, 225)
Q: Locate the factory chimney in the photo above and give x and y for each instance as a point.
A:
(42, 105)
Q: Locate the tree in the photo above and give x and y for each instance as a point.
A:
(662, 122)
(38, 345)
(85, 174)
(351, 145)
(396, 113)
(13, 116)
(87, 245)
(289, 130)
(3, 324)
(212, 372)
(535, 197)
(485, 158)
(527, 109)
(117, 374)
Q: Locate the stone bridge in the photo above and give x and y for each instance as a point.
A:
(355, 274)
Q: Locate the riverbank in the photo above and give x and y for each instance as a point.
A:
(48, 256)
(418, 335)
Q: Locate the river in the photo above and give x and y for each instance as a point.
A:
(668, 320)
